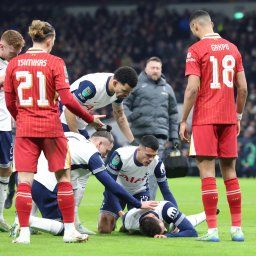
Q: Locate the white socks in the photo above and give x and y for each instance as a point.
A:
(47, 225)
(78, 194)
(212, 230)
(196, 219)
(233, 229)
(3, 194)
(69, 227)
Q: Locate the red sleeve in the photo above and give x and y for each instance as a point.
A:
(72, 105)
(239, 63)
(192, 63)
(60, 75)
(10, 100)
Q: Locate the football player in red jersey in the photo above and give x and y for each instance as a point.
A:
(33, 82)
(213, 67)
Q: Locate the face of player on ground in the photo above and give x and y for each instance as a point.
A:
(8, 52)
(161, 223)
(104, 146)
(145, 155)
(121, 90)
(154, 70)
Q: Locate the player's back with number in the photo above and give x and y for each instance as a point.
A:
(216, 61)
(36, 76)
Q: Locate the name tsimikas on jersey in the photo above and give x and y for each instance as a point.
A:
(32, 62)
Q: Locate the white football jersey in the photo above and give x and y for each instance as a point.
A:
(92, 92)
(132, 175)
(131, 219)
(81, 151)
(5, 117)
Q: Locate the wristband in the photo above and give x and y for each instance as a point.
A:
(239, 116)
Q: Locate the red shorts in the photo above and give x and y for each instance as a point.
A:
(27, 151)
(216, 140)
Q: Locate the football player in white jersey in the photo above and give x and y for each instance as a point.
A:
(94, 91)
(131, 167)
(97, 90)
(86, 157)
(156, 223)
(11, 43)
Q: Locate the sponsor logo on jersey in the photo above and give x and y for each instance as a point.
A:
(87, 92)
(116, 160)
(132, 179)
(190, 57)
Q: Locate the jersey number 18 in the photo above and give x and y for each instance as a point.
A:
(228, 63)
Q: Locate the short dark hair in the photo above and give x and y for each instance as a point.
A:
(198, 13)
(126, 75)
(154, 58)
(150, 141)
(149, 226)
(104, 134)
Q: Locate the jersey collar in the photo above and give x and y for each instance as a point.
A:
(135, 159)
(146, 213)
(35, 50)
(211, 35)
(107, 87)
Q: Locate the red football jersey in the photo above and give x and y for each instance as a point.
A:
(36, 76)
(216, 61)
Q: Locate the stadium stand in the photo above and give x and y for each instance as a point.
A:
(104, 40)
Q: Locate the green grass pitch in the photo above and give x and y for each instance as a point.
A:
(187, 193)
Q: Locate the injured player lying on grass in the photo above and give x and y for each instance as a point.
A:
(164, 221)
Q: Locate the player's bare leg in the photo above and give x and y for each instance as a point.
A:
(4, 180)
(66, 201)
(24, 205)
(233, 196)
(106, 223)
(206, 167)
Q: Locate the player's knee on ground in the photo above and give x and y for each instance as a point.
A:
(106, 223)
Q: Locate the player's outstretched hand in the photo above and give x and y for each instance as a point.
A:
(149, 205)
(160, 236)
(183, 132)
(97, 122)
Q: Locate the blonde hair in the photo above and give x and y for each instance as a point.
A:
(40, 30)
(13, 38)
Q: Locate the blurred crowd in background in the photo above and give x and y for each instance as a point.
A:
(103, 41)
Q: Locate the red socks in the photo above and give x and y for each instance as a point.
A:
(210, 200)
(23, 203)
(234, 200)
(66, 201)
